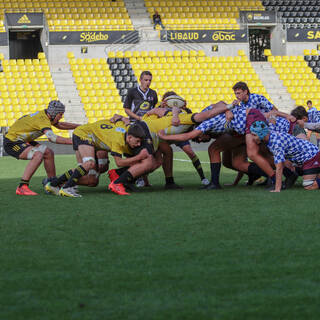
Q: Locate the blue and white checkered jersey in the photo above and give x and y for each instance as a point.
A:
(217, 124)
(257, 101)
(284, 146)
(314, 116)
(282, 125)
(239, 121)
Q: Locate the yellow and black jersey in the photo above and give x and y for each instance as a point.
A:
(164, 123)
(29, 127)
(105, 135)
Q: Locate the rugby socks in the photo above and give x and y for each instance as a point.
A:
(126, 177)
(62, 179)
(254, 169)
(169, 180)
(78, 172)
(287, 172)
(215, 172)
(22, 182)
(197, 164)
(120, 171)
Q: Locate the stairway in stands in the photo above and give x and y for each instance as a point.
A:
(270, 80)
(123, 75)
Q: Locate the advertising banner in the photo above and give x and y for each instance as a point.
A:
(93, 37)
(205, 36)
(24, 19)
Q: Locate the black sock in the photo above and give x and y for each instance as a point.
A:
(22, 182)
(215, 172)
(169, 180)
(62, 179)
(253, 169)
(197, 164)
(76, 175)
(287, 172)
(120, 171)
(126, 177)
(299, 171)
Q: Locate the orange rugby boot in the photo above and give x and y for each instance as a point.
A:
(25, 191)
(118, 188)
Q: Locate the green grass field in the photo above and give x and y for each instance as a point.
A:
(236, 253)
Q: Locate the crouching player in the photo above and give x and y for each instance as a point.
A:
(19, 142)
(101, 135)
(284, 147)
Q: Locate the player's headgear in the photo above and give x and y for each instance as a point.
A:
(55, 107)
(260, 128)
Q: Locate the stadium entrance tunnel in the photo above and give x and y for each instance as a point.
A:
(259, 39)
(24, 44)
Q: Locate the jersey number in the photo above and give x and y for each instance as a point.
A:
(106, 126)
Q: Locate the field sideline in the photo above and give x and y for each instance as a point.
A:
(236, 253)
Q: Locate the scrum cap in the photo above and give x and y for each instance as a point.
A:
(55, 107)
(260, 128)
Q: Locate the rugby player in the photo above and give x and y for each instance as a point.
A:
(151, 126)
(287, 147)
(107, 136)
(20, 142)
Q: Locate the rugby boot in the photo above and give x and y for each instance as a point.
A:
(69, 192)
(118, 188)
(212, 186)
(51, 189)
(172, 186)
(25, 191)
(113, 175)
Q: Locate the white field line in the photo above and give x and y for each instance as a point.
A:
(185, 160)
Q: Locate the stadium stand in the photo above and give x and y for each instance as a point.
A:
(96, 87)
(296, 13)
(26, 86)
(76, 15)
(200, 79)
(297, 76)
(200, 14)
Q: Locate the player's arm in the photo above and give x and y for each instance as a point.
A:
(127, 162)
(159, 112)
(52, 137)
(118, 117)
(66, 125)
(275, 113)
(218, 108)
(180, 137)
(279, 171)
(132, 114)
(175, 116)
(313, 126)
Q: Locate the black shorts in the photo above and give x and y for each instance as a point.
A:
(15, 148)
(181, 144)
(77, 141)
(147, 142)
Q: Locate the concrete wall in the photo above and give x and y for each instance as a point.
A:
(278, 41)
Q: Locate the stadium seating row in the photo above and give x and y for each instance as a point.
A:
(297, 77)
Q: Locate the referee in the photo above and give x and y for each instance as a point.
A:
(142, 99)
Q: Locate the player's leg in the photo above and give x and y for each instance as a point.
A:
(35, 155)
(256, 157)
(311, 173)
(224, 142)
(87, 153)
(186, 147)
(48, 163)
(167, 165)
